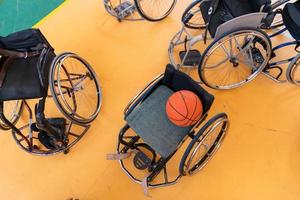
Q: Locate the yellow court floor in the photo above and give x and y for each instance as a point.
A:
(259, 159)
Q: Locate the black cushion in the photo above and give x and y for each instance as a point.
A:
(242, 7)
(177, 80)
(22, 79)
(23, 40)
(291, 19)
(25, 78)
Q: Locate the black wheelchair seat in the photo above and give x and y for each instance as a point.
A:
(152, 125)
(22, 80)
(23, 76)
(23, 40)
(291, 19)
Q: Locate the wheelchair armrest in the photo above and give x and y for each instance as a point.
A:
(142, 95)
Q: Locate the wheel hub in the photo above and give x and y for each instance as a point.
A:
(234, 62)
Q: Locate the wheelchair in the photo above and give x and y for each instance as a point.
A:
(29, 68)
(149, 140)
(136, 10)
(239, 48)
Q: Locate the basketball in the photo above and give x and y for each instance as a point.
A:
(184, 108)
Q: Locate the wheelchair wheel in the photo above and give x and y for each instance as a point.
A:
(293, 71)
(12, 111)
(235, 59)
(75, 88)
(192, 16)
(204, 145)
(154, 10)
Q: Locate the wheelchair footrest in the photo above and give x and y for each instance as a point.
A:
(141, 161)
(59, 123)
(192, 59)
(47, 140)
(125, 9)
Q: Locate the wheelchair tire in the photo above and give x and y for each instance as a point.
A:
(193, 13)
(292, 69)
(17, 107)
(219, 120)
(146, 15)
(260, 56)
(64, 88)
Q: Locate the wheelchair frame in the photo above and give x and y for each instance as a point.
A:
(52, 133)
(161, 163)
(29, 139)
(244, 22)
(281, 62)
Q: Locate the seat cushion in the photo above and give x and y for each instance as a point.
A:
(291, 18)
(150, 122)
(22, 80)
(23, 40)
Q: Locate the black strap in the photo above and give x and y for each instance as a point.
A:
(185, 41)
(40, 50)
(41, 62)
(18, 54)
(212, 9)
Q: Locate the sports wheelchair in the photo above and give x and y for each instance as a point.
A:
(28, 67)
(154, 140)
(239, 49)
(139, 9)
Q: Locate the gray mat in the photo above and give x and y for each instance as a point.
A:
(150, 122)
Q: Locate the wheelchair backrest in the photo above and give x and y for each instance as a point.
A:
(23, 40)
(27, 48)
(227, 10)
(241, 7)
(177, 80)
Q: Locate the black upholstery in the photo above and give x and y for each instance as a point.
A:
(242, 7)
(23, 40)
(220, 16)
(177, 80)
(229, 9)
(25, 78)
(291, 19)
(22, 80)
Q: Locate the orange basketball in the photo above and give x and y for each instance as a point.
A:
(184, 108)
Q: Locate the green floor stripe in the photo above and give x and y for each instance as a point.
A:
(20, 14)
